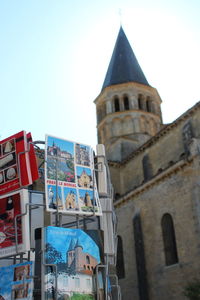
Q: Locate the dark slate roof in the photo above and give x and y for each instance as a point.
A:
(123, 66)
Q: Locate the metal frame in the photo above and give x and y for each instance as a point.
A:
(80, 221)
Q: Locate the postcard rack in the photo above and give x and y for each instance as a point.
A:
(39, 218)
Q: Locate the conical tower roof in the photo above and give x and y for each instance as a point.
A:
(78, 244)
(123, 66)
(72, 245)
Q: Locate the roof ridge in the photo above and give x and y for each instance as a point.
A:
(153, 139)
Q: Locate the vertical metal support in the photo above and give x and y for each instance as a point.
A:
(44, 265)
(21, 258)
(77, 221)
(116, 285)
(84, 224)
(60, 220)
(105, 267)
(21, 215)
(15, 226)
(93, 191)
(56, 278)
(57, 211)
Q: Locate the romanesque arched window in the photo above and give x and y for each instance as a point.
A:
(126, 103)
(140, 101)
(120, 258)
(148, 104)
(169, 240)
(116, 104)
(147, 167)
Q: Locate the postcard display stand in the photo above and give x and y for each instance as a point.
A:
(71, 263)
(18, 170)
(73, 258)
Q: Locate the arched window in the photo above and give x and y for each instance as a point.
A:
(87, 259)
(140, 101)
(126, 103)
(120, 259)
(116, 104)
(169, 240)
(148, 104)
(147, 167)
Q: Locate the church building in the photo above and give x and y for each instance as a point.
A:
(155, 172)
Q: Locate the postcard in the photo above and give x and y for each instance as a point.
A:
(16, 282)
(69, 178)
(14, 240)
(75, 255)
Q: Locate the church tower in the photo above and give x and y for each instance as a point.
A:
(128, 108)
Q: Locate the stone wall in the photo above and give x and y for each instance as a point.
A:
(174, 188)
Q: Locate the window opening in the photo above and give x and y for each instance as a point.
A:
(169, 240)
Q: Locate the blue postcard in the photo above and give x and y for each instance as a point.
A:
(76, 256)
(16, 281)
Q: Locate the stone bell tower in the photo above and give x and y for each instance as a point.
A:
(128, 108)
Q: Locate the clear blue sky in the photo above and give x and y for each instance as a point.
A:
(54, 56)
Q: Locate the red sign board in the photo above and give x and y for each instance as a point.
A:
(18, 166)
